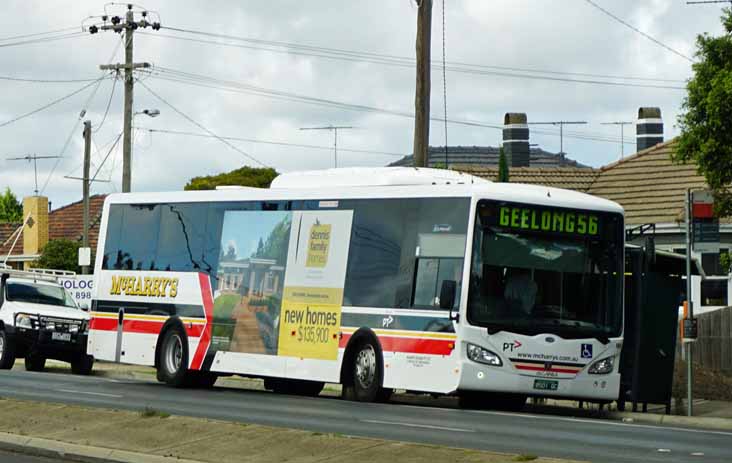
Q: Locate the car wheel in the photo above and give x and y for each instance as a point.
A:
(34, 362)
(7, 351)
(82, 365)
(366, 374)
(173, 361)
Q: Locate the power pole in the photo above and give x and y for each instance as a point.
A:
(622, 125)
(561, 125)
(422, 89)
(85, 190)
(128, 26)
(335, 129)
(34, 158)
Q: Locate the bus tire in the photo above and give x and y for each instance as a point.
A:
(7, 351)
(82, 365)
(173, 360)
(34, 362)
(365, 373)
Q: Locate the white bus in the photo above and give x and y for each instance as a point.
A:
(377, 279)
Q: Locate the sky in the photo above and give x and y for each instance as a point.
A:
(266, 56)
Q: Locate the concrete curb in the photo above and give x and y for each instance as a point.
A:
(81, 453)
(719, 424)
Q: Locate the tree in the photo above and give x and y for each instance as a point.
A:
(245, 176)
(706, 118)
(11, 210)
(61, 254)
(502, 166)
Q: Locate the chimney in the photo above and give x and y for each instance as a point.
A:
(516, 139)
(35, 232)
(649, 128)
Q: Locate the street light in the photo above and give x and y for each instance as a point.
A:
(149, 112)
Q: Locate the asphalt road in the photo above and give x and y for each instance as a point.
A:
(545, 435)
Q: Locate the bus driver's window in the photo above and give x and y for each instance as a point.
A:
(439, 258)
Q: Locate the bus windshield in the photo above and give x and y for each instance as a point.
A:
(546, 270)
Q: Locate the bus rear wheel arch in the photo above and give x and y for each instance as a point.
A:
(362, 373)
(171, 360)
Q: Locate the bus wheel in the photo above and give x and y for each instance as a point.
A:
(7, 351)
(34, 362)
(172, 365)
(366, 374)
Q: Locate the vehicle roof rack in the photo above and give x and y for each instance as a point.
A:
(35, 273)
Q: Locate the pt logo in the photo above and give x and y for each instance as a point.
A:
(586, 351)
(387, 321)
(510, 346)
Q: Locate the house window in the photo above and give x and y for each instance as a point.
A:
(714, 292)
(711, 262)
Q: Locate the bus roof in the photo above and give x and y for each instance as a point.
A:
(379, 182)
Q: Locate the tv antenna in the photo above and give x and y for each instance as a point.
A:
(34, 158)
(622, 125)
(561, 125)
(334, 129)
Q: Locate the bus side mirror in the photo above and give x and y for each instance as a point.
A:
(447, 294)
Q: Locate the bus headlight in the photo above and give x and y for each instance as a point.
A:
(23, 320)
(480, 355)
(602, 366)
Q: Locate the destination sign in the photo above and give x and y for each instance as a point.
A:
(543, 220)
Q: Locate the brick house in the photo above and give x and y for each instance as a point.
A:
(20, 247)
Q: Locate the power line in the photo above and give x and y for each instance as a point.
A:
(630, 26)
(36, 34)
(42, 40)
(45, 81)
(192, 121)
(405, 62)
(271, 142)
(172, 75)
(54, 102)
(109, 103)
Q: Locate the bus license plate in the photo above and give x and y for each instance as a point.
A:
(546, 385)
(61, 336)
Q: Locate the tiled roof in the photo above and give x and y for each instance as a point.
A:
(571, 178)
(65, 222)
(68, 221)
(7, 236)
(649, 185)
(484, 156)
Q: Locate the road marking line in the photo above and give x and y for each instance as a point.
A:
(600, 422)
(413, 425)
(71, 391)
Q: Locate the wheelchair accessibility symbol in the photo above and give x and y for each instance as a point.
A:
(586, 351)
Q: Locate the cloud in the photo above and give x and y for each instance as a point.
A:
(560, 36)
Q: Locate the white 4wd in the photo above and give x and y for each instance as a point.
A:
(39, 320)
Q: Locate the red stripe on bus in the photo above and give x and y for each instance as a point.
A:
(141, 326)
(410, 345)
(541, 368)
(205, 340)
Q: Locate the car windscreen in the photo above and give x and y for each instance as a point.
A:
(39, 294)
